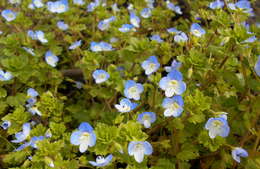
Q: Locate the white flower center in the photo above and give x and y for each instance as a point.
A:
(133, 90)
(100, 160)
(217, 124)
(146, 117)
(84, 138)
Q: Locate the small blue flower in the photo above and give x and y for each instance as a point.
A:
(36, 4)
(29, 50)
(21, 136)
(100, 76)
(231, 6)
(79, 85)
(197, 30)
(217, 127)
(126, 28)
(151, 65)
(125, 106)
(156, 38)
(173, 7)
(14, 1)
(113, 40)
(92, 6)
(216, 4)
(146, 118)
(115, 8)
(8, 14)
(6, 124)
(37, 35)
(5, 76)
(245, 6)
(133, 90)
(32, 143)
(62, 26)
(257, 66)
(79, 2)
(40, 36)
(104, 24)
(32, 92)
(238, 152)
(173, 106)
(172, 84)
(138, 149)
(51, 59)
(134, 20)
(100, 46)
(75, 45)
(58, 6)
(150, 3)
(175, 65)
(250, 39)
(180, 37)
(84, 137)
(173, 31)
(146, 12)
(101, 161)
(34, 110)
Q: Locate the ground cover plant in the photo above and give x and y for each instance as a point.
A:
(129, 84)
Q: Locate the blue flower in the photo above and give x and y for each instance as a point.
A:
(29, 50)
(151, 65)
(104, 24)
(100, 46)
(8, 14)
(173, 31)
(150, 3)
(6, 124)
(217, 127)
(133, 90)
(37, 35)
(156, 38)
(180, 37)
(238, 152)
(101, 161)
(58, 6)
(257, 66)
(126, 28)
(125, 106)
(84, 137)
(173, 7)
(173, 106)
(79, 2)
(216, 4)
(79, 85)
(40, 36)
(172, 84)
(34, 110)
(75, 45)
(138, 149)
(14, 1)
(175, 65)
(92, 6)
(62, 26)
(100, 76)
(146, 118)
(21, 136)
(197, 30)
(146, 12)
(32, 143)
(245, 6)
(32, 92)
(5, 76)
(250, 39)
(115, 8)
(51, 59)
(134, 20)
(36, 4)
